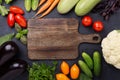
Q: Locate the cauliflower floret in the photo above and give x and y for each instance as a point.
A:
(111, 48)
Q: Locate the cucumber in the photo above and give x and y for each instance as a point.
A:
(85, 68)
(85, 6)
(97, 63)
(27, 5)
(65, 6)
(88, 60)
(84, 77)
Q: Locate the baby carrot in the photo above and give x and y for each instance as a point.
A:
(41, 2)
(44, 7)
(50, 8)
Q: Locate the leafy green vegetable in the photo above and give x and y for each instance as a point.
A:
(42, 71)
(23, 39)
(17, 27)
(3, 10)
(6, 38)
(8, 1)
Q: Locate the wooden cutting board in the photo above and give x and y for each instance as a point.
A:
(56, 38)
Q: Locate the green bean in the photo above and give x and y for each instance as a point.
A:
(27, 5)
(35, 4)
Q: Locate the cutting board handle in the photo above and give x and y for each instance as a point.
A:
(90, 38)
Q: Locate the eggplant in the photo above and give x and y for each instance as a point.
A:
(7, 51)
(13, 69)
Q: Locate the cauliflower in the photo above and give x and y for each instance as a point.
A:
(111, 48)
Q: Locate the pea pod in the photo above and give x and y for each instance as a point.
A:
(28, 5)
(85, 6)
(97, 63)
(35, 4)
(85, 68)
(88, 60)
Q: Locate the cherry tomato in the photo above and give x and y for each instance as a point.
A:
(98, 26)
(21, 20)
(87, 21)
(11, 19)
(16, 10)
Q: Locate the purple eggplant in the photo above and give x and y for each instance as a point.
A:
(7, 51)
(11, 70)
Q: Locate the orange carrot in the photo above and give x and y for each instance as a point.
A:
(44, 7)
(41, 2)
(50, 8)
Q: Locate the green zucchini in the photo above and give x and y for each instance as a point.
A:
(65, 6)
(85, 6)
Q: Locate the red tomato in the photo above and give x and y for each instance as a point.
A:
(21, 20)
(98, 26)
(87, 21)
(11, 19)
(16, 10)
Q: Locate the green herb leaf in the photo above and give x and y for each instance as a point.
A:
(8, 1)
(17, 27)
(23, 39)
(24, 31)
(42, 71)
(3, 10)
(1, 1)
(18, 36)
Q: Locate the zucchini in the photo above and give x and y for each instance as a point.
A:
(65, 6)
(85, 6)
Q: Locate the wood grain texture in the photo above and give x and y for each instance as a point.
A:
(56, 38)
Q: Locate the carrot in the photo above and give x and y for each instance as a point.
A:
(50, 8)
(44, 7)
(41, 2)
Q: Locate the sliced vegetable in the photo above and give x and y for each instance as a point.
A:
(41, 2)
(85, 68)
(28, 5)
(21, 20)
(50, 8)
(88, 60)
(44, 7)
(61, 76)
(87, 21)
(7, 51)
(97, 63)
(3, 10)
(16, 10)
(84, 77)
(85, 6)
(74, 71)
(98, 26)
(8, 1)
(6, 38)
(35, 4)
(65, 67)
(42, 71)
(11, 19)
(65, 6)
